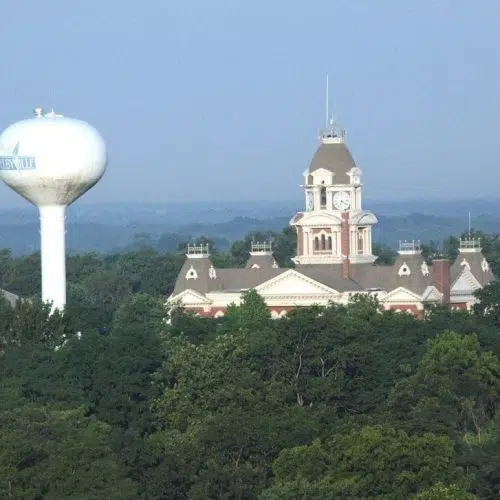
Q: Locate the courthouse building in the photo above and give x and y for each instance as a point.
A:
(334, 258)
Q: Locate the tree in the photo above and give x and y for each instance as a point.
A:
(371, 461)
(385, 255)
(488, 305)
(456, 387)
(50, 453)
(286, 247)
(442, 492)
(252, 312)
(31, 322)
(23, 276)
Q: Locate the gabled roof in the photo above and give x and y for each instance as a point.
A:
(465, 283)
(192, 297)
(476, 263)
(402, 295)
(293, 282)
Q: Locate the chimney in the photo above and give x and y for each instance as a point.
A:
(441, 277)
(345, 246)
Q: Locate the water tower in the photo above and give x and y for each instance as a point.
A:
(52, 160)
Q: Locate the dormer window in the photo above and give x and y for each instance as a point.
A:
(465, 264)
(191, 274)
(485, 266)
(425, 269)
(355, 175)
(404, 270)
(212, 274)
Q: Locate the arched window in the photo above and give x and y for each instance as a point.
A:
(329, 242)
(323, 197)
(316, 243)
(323, 242)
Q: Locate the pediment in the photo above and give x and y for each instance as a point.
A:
(466, 282)
(319, 219)
(401, 295)
(432, 294)
(190, 297)
(293, 283)
(364, 218)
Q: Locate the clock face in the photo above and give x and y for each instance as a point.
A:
(341, 200)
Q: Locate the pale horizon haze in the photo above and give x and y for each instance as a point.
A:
(223, 100)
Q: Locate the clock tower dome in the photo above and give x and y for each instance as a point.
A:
(333, 228)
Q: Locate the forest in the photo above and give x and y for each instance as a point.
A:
(112, 401)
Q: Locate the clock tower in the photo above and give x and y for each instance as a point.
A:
(333, 228)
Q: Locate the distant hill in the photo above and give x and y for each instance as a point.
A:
(110, 227)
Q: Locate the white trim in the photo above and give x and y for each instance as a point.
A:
(202, 299)
(465, 278)
(191, 274)
(411, 297)
(432, 294)
(318, 259)
(317, 219)
(332, 140)
(470, 250)
(293, 273)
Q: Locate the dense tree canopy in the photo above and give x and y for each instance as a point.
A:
(111, 400)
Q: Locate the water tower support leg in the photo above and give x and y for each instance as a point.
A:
(53, 255)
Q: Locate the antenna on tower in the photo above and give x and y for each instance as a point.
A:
(327, 101)
(330, 131)
(469, 225)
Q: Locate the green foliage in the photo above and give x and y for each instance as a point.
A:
(252, 313)
(488, 305)
(441, 492)
(373, 461)
(386, 256)
(31, 322)
(456, 387)
(51, 453)
(344, 401)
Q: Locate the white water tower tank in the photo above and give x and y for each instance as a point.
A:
(52, 160)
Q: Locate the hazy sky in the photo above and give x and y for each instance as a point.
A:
(205, 100)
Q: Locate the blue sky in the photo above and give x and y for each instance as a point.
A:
(222, 100)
